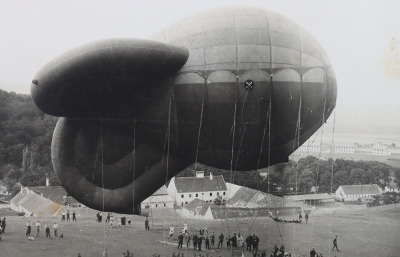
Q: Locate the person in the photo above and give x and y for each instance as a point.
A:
(276, 249)
(220, 240)
(180, 241)
(212, 239)
(3, 224)
(185, 227)
(105, 253)
(228, 241)
(55, 228)
(188, 238)
(74, 216)
(313, 253)
(28, 229)
(282, 249)
(37, 228)
(63, 216)
(1, 231)
(47, 229)
(108, 218)
(306, 216)
(111, 221)
(199, 242)
(68, 216)
(240, 241)
(300, 217)
(98, 217)
(101, 218)
(146, 224)
(129, 221)
(171, 231)
(249, 242)
(234, 240)
(79, 255)
(256, 241)
(195, 242)
(335, 244)
(207, 241)
(123, 221)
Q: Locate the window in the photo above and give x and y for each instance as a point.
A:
(197, 195)
(190, 195)
(181, 203)
(165, 205)
(156, 205)
(185, 202)
(224, 193)
(181, 195)
(210, 194)
(217, 193)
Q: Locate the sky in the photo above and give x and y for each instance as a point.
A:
(361, 38)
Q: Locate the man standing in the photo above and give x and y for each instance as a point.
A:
(63, 216)
(199, 242)
(300, 217)
(180, 241)
(68, 218)
(195, 242)
(3, 224)
(221, 240)
(47, 229)
(55, 227)
(28, 229)
(74, 216)
(335, 244)
(313, 253)
(306, 216)
(37, 228)
(146, 224)
(212, 238)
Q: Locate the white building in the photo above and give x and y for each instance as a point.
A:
(344, 149)
(380, 149)
(355, 192)
(206, 188)
(160, 199)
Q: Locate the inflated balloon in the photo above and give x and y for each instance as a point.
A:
(235, 88)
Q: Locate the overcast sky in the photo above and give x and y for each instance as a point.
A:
(361, 39)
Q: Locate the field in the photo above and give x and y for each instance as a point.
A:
(361, 232)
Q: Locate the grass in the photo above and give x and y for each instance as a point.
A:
(361, 232)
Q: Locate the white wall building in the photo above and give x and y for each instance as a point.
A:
(206, 188)
(160, 199)
(355, 192)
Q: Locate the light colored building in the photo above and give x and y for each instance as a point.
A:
(355, 192)
(344, 148)
(160, 199)
(206, 188)
(380, 149)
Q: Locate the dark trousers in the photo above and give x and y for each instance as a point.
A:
(180, 244)
(28, 231)
(335, 245)
(248, 248)
(220, 243)
(48, 232)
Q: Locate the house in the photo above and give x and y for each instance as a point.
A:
(206, 188)
(311, 199)
(355, 192)
(33, 204)
(160, 199)
(198, 209)
(55, 194)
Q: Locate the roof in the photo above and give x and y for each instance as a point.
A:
(361, 189)
(158, 199)
(54, 193)
(324, 196)
(161, 191)
(198, 207)
(247, 197)
(193, 184)
(33, 203)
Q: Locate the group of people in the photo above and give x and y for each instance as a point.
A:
(122, 221)
(68, 215)
(301, 217)
(38, 225)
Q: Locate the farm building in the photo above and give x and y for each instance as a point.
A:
(355, 192)
(311, 199)
(33, 204)
(206, 188)
(160, 199)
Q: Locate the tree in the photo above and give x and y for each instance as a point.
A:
(340, 178)
(219, 201)
(306, 181)
(355, 176)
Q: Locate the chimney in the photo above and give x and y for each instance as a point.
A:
(211, 176)
(199, 174)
